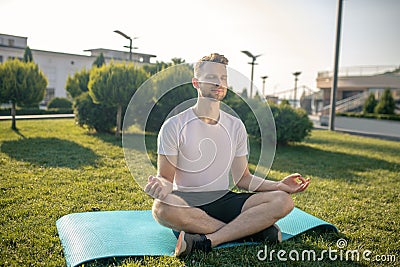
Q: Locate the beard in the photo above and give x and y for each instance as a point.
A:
(213, 96)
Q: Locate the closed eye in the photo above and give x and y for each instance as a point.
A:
(211, 76)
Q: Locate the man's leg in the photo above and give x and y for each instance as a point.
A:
(260, 211)
(179, 216)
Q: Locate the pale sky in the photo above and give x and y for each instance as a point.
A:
(291, 35)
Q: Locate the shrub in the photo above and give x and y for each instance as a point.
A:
(59, 102)
(386, 104)
(292, 125)
(370, 104)
(94, 116)
(78, 83)
(284, 102)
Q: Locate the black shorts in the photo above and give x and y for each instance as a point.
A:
(227, 206)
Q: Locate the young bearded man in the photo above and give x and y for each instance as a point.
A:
(197, 151)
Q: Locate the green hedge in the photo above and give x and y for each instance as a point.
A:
(59, 102)
(393, 117)
(291, 124)
(36, 111)
(94, 116)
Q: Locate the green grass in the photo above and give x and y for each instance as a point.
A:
(50, 168)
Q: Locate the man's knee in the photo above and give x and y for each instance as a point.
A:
(285, 202)
(160, 210)
(166, 214)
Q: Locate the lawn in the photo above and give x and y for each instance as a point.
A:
(50, 168)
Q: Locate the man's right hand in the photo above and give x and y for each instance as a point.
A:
(158, 187)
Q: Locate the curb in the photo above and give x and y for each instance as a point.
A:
(35, 117)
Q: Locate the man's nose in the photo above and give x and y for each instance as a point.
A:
(220, 83)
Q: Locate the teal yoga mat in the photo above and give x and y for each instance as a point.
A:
(95, 235)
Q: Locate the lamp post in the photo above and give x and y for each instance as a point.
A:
(130, 43)
(252, 63)
(336, 66)
(263, 79)
(296, 74)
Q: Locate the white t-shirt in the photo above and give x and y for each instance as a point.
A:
(205, 152)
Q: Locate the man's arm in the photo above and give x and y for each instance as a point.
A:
(160, 186)
(242, 177)
(245, 180)
(166, 167)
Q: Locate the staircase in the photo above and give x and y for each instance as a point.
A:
(348, 104)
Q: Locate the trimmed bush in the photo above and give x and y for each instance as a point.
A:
(370, 104)
(386, 104)
(59, 102)
(94, 116)
(292, 125)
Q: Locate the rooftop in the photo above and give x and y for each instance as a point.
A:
(362, 71)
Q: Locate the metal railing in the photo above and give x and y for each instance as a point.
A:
(359, 71)
(347, 104)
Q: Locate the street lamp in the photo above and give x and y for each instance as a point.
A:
(296, 74)
(252, 63)
(336, 66)
(263, 79)
(130, 43)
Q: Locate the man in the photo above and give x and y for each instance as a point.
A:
(197, 150)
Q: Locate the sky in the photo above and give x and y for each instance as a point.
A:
(290, 35)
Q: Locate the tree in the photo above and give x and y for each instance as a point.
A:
(100, 61)
(172, 88)
(177, 61)
(157, 67)
(386, 104)
(257, 96)
(244, 93)
(370, 104)
(94, 116)
(305, 103)
(28, 55)
(114, 86)
(22, 83)
(78, 83)
(284, 102)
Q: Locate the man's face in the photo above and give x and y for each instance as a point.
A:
(212, 81)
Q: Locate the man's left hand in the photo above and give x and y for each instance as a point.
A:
(293, 183)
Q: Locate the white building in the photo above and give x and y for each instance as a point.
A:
(57, 65)
(356, 83)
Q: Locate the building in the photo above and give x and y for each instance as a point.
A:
(57, 65)
(356, 83)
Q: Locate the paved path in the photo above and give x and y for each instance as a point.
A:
(385, 129)
(34, 117)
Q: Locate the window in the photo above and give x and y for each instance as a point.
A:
(11, 42)
(1, 59)
(50, 93)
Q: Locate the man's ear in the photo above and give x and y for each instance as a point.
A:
(195, 83)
